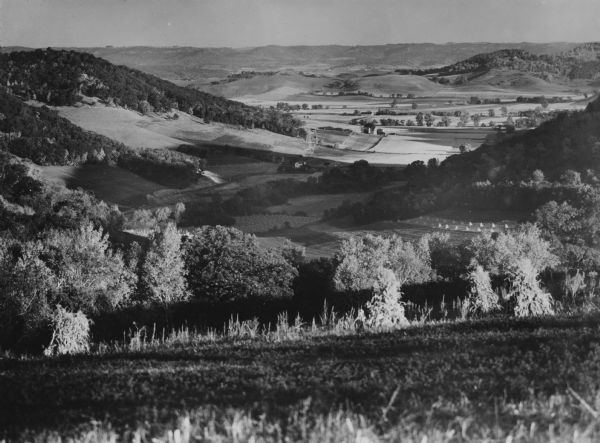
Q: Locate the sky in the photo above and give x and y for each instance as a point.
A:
(246, 23)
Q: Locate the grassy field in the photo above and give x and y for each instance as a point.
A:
(492, 380)
(108, 183)
(315, 205)
(260, 223)
(323, 238)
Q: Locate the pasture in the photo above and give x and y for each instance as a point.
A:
(493, 380)
(323, 238)
(316, 205)
(109, 183)
(260, 223)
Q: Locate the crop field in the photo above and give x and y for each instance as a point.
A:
(493, 380)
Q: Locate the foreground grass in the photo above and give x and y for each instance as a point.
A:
(527, 380)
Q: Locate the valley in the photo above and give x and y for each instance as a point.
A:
(338, 121)
(311, 243)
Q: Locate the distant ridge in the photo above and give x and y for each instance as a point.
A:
(186, 64)
(581, 62)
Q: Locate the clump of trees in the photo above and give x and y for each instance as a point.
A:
(502, 270)
(226, 264)
(381, 265)
(516, 259)
(74, 270)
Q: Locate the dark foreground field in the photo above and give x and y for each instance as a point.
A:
(451, 382)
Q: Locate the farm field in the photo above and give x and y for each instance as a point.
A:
(323, 238)
(161, 131)
(477, 380)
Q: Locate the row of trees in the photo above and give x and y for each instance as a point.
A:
(79, 272)
(385, 266)
(59, 279)
(60, 269)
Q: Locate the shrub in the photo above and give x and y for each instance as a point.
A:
(385, 310)
(525, 295)
(71, 333)
(482, 299)
(538, 176)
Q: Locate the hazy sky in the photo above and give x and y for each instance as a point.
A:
(240, 23)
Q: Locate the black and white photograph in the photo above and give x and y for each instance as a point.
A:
(281, 221)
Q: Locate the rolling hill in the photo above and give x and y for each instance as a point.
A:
(286, 86)
(183, 65)
(579, 63)
(61, 77)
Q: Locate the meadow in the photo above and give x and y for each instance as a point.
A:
(484, 380)
(322, 238)
(109, 183)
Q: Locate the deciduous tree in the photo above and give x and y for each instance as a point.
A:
(224, 263)
(163, 274)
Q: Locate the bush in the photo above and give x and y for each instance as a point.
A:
(482, 299)
(71, 333)
(525, 295)
(385, 310)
